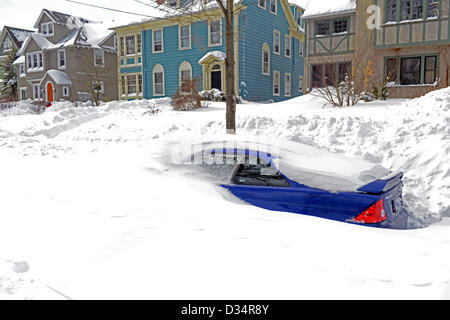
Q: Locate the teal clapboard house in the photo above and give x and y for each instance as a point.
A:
(157, 55)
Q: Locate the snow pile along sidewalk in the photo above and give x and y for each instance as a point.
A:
(411, 136)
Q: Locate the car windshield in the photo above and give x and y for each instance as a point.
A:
(261, 174)
(303, 164)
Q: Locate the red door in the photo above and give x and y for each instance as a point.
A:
(50, 92)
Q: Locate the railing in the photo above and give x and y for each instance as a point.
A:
(7, 105)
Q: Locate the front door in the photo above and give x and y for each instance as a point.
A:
(49, 92)
(216, 80)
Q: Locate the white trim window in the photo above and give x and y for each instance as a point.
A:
(122, 46)
(139, 43)
(140, 83)
(99, 57)
(215, 33)
(185, 74)
(7, 44)
(66, 91)
(23, 93)
(131, 85)
(276, 83)
(287, 46)
(22, 71)
(47, 29)
(130, 44)
(37, 92)
(61, 59)
(276, 42)
(287, 85)
(300, 84)
(298, 18)
(184, 37)
(262, 4)
(266, 59)
(123, 85)
(158, 81)
(158, 41)
(35, 62)
(273, 6)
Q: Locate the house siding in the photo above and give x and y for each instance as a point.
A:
(256, 28)
(80, 68)
(394, 39)
(172, 57)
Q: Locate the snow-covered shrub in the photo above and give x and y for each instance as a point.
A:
(21, 108)
(153, 109)
(188, 97)
(213, 95)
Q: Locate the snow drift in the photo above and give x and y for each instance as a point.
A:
(92, 171)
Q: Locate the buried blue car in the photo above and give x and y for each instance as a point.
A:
(306, 184)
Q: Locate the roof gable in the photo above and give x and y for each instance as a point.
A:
(37, 38)
(60, 18)
(16, 35)
(3, 36)
(294, 29)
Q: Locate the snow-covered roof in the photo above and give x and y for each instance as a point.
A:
(217, 55)
(19, 60)
(86, 35)
(194, 7)
(300, 3)
(40, 40)
(326, 7)
(61, 18)
(60, 77)
(18, 35)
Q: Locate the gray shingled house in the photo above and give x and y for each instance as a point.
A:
(69, 58)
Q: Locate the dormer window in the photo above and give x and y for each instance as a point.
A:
(47, 29)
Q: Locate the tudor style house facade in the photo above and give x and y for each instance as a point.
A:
(156, 56)
(11, 39)
(69, 58)
(405, 43)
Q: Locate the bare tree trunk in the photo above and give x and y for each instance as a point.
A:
(229, 66)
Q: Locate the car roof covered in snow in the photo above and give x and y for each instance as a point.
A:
(306, 165)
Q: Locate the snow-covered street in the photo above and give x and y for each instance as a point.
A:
(87, 212)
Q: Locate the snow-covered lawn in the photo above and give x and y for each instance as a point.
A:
(87, 211)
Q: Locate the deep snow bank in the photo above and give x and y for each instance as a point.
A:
(402, 135)
(59, 182)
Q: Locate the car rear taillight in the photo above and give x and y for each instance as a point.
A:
(375, 214)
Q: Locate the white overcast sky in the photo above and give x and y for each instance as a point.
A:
(24, 13)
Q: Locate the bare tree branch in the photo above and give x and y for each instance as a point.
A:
(222, 7)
